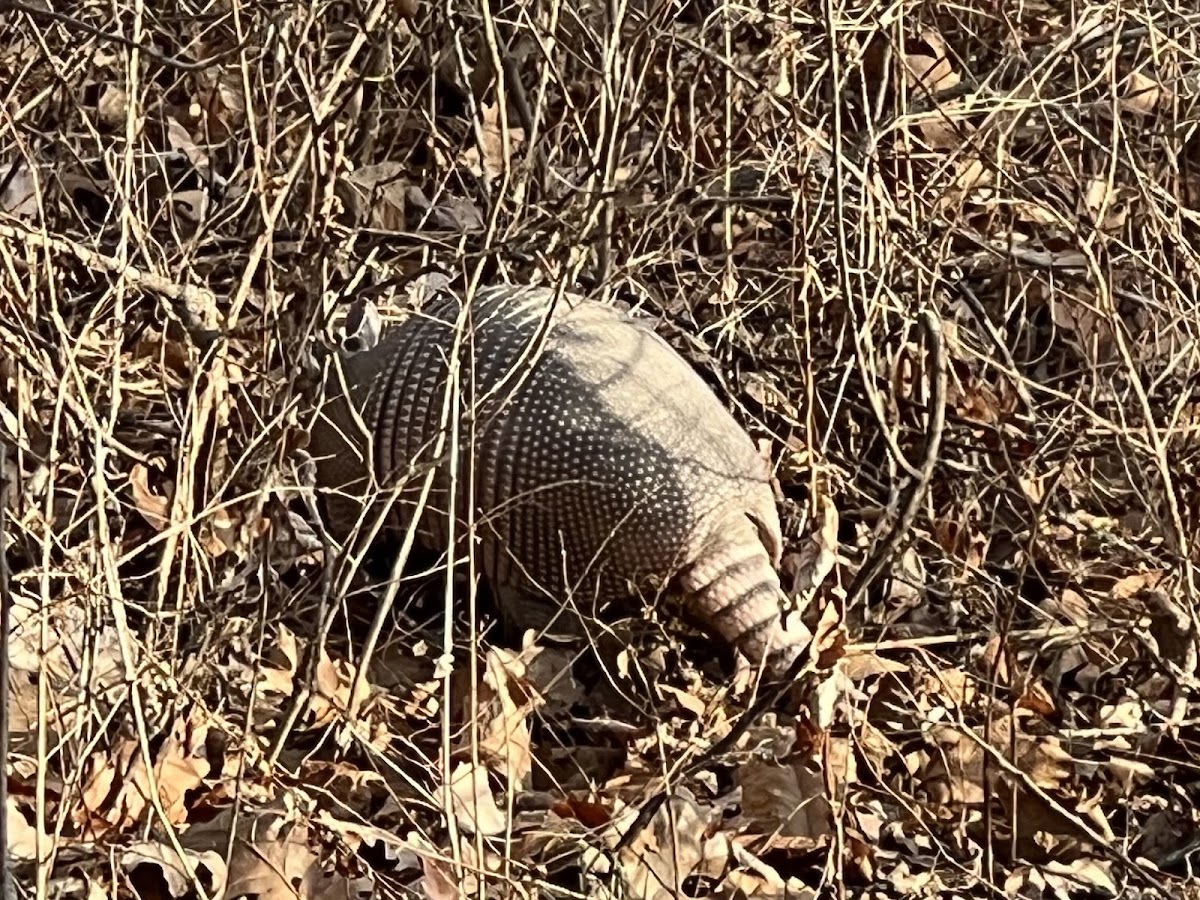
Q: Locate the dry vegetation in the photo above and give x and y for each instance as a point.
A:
(191, 193)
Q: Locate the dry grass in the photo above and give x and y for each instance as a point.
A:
(191, 192)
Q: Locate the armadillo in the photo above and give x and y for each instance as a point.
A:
(597, 461)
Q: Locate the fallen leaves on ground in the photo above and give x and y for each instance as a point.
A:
(179, 241)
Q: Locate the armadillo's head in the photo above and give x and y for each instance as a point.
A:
(732, 589)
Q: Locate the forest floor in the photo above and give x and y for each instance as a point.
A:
(941, 260)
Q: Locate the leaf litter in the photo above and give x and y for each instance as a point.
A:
(1011, 707)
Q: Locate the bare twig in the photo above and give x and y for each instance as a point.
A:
(7, 888)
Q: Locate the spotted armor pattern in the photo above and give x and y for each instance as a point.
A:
(593, 458)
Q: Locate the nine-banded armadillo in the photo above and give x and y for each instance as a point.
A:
(596, 458)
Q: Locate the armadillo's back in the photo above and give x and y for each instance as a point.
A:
(590, 447)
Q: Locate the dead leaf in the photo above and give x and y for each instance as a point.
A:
(22, 836)
(859, 665)
(755, 878)
(769, 395)
(19, 197)
(947, 127)
(224, 102)
(182, 763)
(502, 705)
(285, 868)
(991, 664)
(1129, 773)
(274, 857)
(592, 815)
(116, 793)
(219, 532)
(208, 866)
(1143, 95)
(113, 106)
(830, 638)
(154, 508)
(1106, 204)
(687, 700)
(1071, 313)
(493, 161)
(715, 856)
(279, 679)
(473, 803)
(977, 401)
(658, 861)
(441, 882)
(74, 636)
(1084, 876)
(934, 73)
(447, 213)
(835, 691)
(180, 140)
(788, 799)
(1132, 585)
(112, 772)
(1037, 698)
(906, 597)
(818, 553)
(1125, 714)
(876, 747)
(331, 697)
(1071, 608)
(374, 196)
(919, 883)
(1045, 761)
(971, 177)
(548, 670)
(952, 772)
(190, 206)
(932, 70)
(24, 706)
(360, 791)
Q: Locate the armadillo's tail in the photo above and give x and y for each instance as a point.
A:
(734, 591)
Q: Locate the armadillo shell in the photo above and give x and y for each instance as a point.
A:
(590, 454)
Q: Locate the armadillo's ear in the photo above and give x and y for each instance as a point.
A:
(771, 539)
(360, 331)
